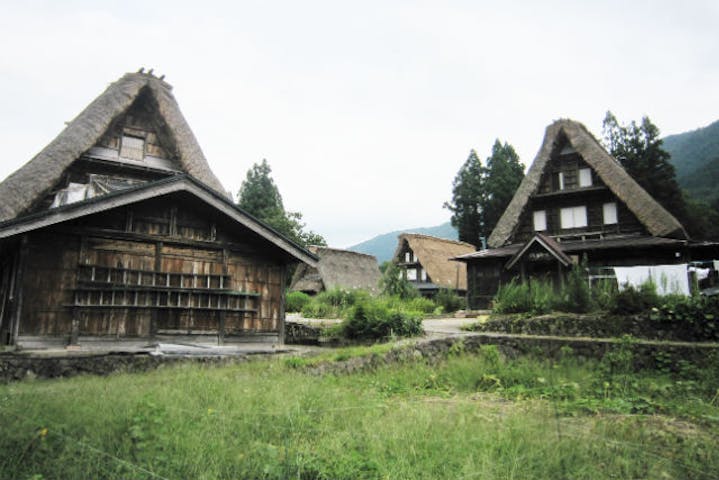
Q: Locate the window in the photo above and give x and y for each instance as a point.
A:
(411, 274)
(407, 257)
(585, 177)
(573, 217)
(609, 211)
(560, 175)
(540, 220)
(424, 274)
(132, 148)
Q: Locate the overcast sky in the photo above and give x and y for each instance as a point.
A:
(364, 110)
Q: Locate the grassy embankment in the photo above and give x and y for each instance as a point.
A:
(468, 417)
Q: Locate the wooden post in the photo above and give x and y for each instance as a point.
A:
(22, 257)
(75, 329)
(281, 312)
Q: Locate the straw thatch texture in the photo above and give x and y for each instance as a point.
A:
(337, 269)
(657, 220)
(434, 255)
(33, 180)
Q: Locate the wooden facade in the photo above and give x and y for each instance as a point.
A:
(125, 242)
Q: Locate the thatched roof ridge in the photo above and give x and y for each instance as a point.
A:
(33, 180)
(657, 220)
(435, 255)
(337, 268)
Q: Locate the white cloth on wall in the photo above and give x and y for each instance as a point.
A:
(667, 278)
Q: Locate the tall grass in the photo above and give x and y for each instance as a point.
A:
(266, 420)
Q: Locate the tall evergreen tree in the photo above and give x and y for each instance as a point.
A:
(639, 149)
(504, 174)
(481, 194)
(468, 199)
(260, 197)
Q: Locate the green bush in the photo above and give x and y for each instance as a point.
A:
(575, 292)
(375, 320)
(392, 283)
(604, 295)
(315, 309)
(295, 301)
(537, 297)
(512, 297)
(632, 300)
(449, 300)
(420, 304)
(542, 297)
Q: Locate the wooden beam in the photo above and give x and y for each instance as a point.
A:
(21, 263)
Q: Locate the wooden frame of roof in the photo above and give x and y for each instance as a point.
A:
(551, 246)
(150, 190)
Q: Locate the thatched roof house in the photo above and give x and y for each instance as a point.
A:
(575, 201)
(427, 263)
(336, 269)
(119, 229)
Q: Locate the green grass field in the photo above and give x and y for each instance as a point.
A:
(471, 416)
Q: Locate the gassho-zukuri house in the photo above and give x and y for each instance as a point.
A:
(336, 268)
(576, 202)
(119, 230)
(426, 262)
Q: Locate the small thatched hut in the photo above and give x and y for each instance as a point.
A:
(336, 269)
(575, 201)
(119, 230)
(426, 262)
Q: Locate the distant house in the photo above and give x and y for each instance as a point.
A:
(336, 269)
(426, 262)
(575, 201)
(118, 230)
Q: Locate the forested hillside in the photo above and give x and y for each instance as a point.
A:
(383, 246)
(695, 156)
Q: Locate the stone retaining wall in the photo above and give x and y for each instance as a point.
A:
(647, 354)
(18, 367)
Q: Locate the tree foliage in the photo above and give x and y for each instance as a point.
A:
(480, 193)
(260, 197)
(639, 149)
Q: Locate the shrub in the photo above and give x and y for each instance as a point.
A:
(374, 320)
(449, 300)
(632, 300)
(421, 304)
(316, 309)
(295, 301)
(575, 292)
(542, 298)
(512, 297)
(393, 283)
(604, 295)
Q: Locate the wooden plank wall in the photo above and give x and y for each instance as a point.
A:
(166, 241)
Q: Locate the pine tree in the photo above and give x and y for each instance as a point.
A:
(504, 174)
(260, 197)
(481, 194)
(467, 200)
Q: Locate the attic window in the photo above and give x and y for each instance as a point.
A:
(132, 148)
(560, 177)
(567, 149)
(412, 274)
(585, 177)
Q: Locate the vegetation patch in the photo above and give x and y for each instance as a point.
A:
(469, 416)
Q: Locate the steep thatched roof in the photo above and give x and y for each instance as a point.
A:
(434, 255)
(337, 269)
(34, 179)
(657, 220)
